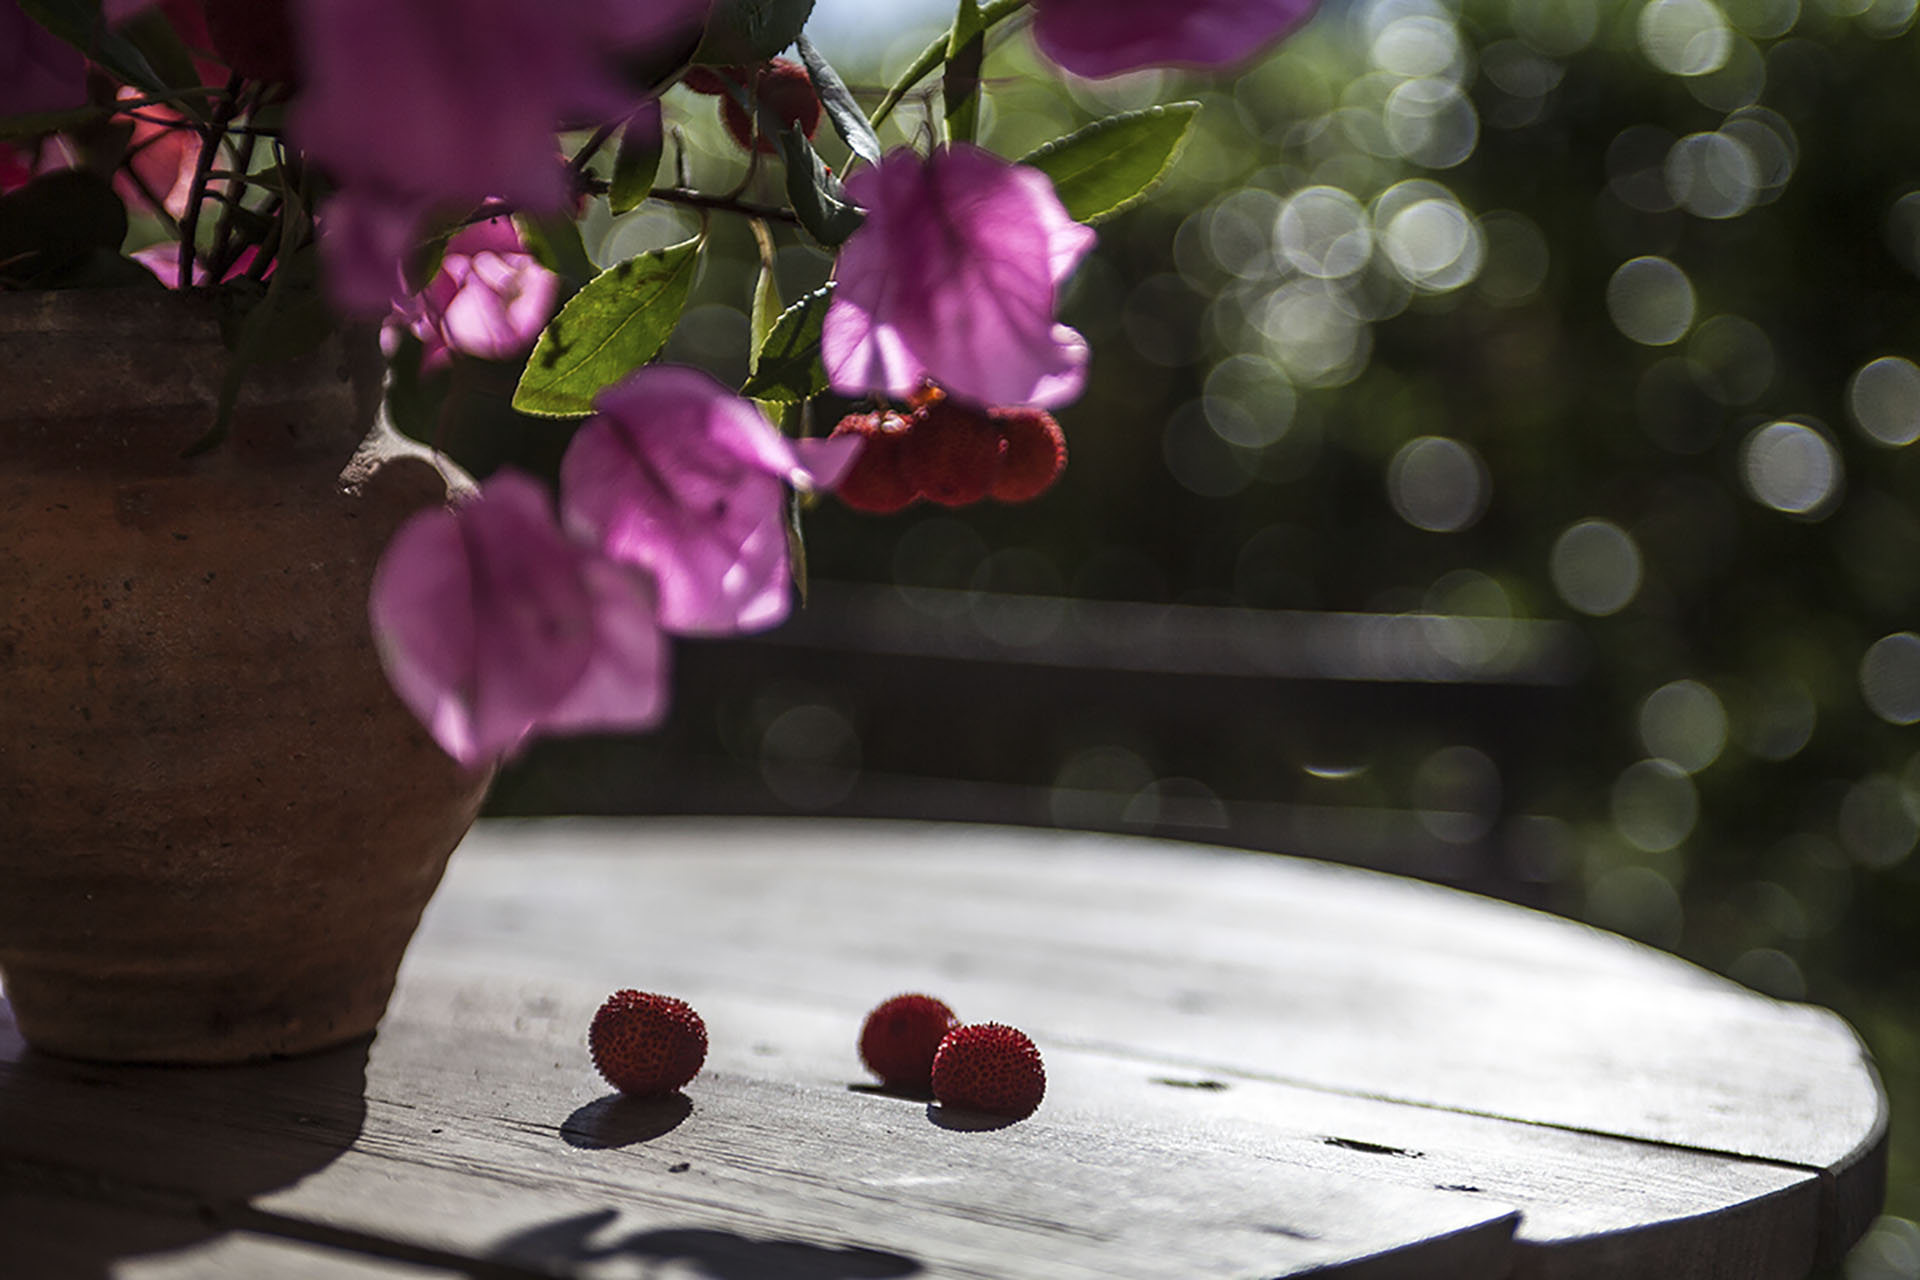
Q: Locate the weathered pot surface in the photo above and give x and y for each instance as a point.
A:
(220, 825)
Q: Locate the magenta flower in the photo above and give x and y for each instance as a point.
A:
(490, 298)
(1106, 37)
(955, 277)
(493, 626)
(437, 105)
(683, 477)
(38, 72)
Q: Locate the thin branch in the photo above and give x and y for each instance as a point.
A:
(223, 113)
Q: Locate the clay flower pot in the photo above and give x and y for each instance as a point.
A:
(218, 826)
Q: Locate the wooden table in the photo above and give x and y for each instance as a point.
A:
(1256, 1067)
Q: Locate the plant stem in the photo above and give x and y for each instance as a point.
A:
(671, 195)
(991, 14)
(589, 149)
(235, 190)
(223, 113)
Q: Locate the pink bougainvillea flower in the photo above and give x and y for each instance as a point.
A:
(38, 71)
(441, 104)
(490, 298)
(682, 476)
(162, 152)
(494, 626)
(163, 259)
(955, 277)
(1100, 38)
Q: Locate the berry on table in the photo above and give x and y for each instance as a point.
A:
(647, 1045)
(899, 1039)
(990, 1067)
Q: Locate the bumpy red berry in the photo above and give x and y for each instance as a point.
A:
(953, 452)
(781, 86)
(1036, 452)
(647, 1045)
(900, 1037)
(877, 481)
(989, 1067)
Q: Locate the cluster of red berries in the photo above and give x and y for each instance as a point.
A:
(648, 1045)
(950, 452)
(916, 1044)
(781, 86)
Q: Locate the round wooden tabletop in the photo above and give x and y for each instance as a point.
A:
(1256, 1067)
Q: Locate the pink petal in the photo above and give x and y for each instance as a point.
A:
(482, 618)
(1100, 38)
(681, 476)
(625, 684)
(438, 105)
(828, 461)
(955, 277)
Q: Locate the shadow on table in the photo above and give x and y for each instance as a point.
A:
(563, 1245)
(100, 1164)
(619, 1121)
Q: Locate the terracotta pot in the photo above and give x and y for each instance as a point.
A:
(218, 826)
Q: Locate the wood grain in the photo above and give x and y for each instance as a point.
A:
(1257, 1067)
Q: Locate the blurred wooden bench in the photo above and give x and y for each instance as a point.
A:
(1257, 1066)
(1294, 732)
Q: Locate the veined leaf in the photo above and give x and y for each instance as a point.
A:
(766, 310)
(748, 31)
(848, 120)
(1112, 164)
(960, 81)
(935, 53)
(79, 23)
(817, 197)
(635, 164)
(787, 365)
(555, 244)
(617, 323)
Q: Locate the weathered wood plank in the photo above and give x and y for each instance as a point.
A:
(1265, 967)
(1256, 1066)
(482, 1142)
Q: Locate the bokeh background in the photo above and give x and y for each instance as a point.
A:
(1498, 467)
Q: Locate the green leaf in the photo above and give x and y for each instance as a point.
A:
(749, 31)
(935, 54)
(787, 365)
(766, 310)
(45, 122)
(636, 163)
(848, 120)
(1111, 164)
(617, 323)
(78, 22)
(555, 244)
(817, 197)
(960, 82)
(152, 34)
